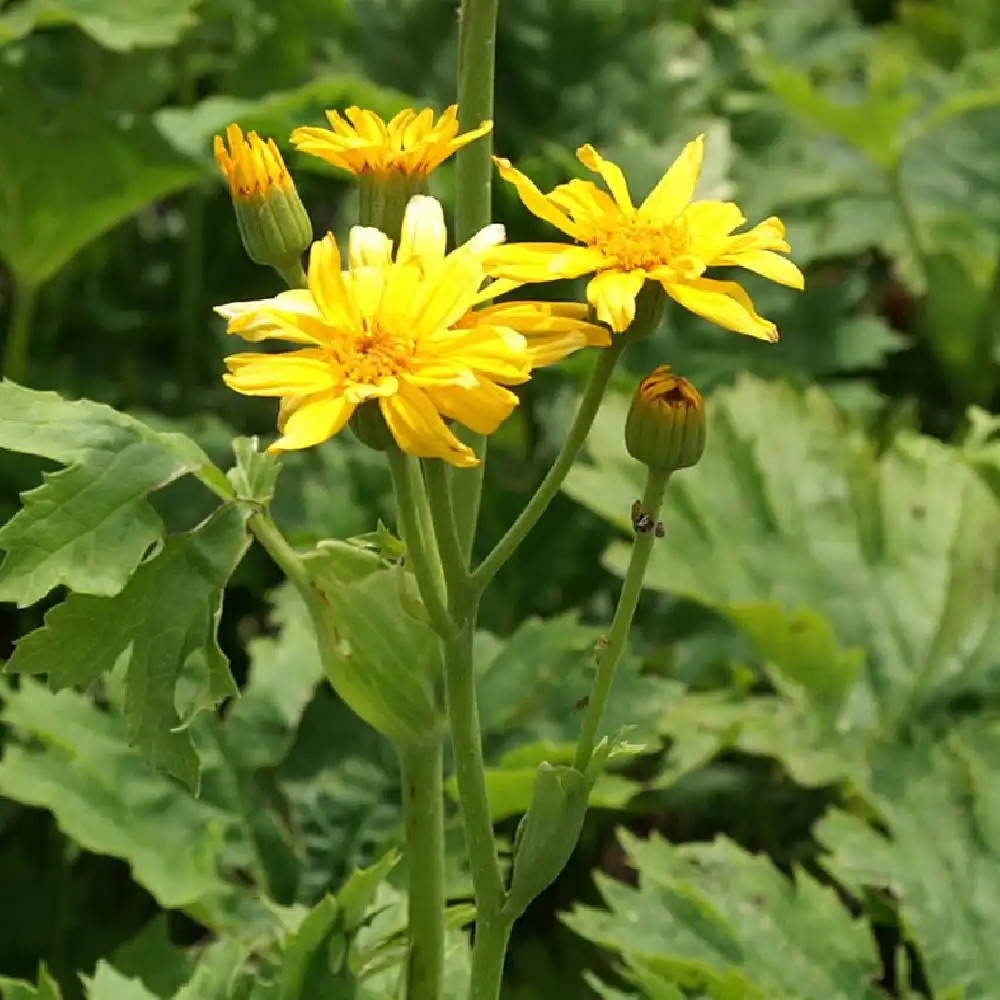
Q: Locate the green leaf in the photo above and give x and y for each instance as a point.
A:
(547, 834)
(938, 807)
(108, 983)
(116, 24)
(15, 989)
(712, 917)
(256, 473)
(106, 170)
(791, 526)
(165, 616)
(89, 525)
(73, 759)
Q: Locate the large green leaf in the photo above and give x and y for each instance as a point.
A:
(714, 918)
(163, 621)
(935, 855)
(47, 988)
(73, 759)
(89, 525)
(116, 24)
(870, 583)
(70, 173)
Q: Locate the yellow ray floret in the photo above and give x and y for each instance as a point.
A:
(411, 143)
(400, 330)
(251, 166)
(669, 239)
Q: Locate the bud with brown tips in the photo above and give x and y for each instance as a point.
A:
(665, 428)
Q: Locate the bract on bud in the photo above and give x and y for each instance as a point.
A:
(665, 428)
(272, 220)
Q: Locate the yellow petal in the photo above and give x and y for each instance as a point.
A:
(326, 284)
(725, 303)
(494, 351)
(368, 247)
(612, 294)
(482, 408)
(446, 295)
(534, 201)
(419, 430)
(585, 202)
(295, 374)
(676, 187)
(767, 264)
(709, 224)
(424, 234)
(310, 421)
(611, 172)
(365, 286)
(533, 262)
(290, 315)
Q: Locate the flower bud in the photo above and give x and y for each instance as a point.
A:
(665, 428)
(272, 220)
(370, 428)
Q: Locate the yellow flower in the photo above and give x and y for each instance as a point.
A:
(401, 331)
(251, 166)
(669, 239)
(410, 144)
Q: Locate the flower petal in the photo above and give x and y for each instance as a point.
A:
(419, 430)
(368, 247)
(611, 172)
(725, 303)
(534, 262)
(482, 408)
(612, 294)
(326, 284)
(767, 264)
(298, 373)
(676, 187)
(424, 235)
(311, 420)
(290, 315)
(534, 201)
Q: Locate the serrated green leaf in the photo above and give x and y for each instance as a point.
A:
(115, 168)
(88, 526)
(937, 857)
(47, 988)
(712, 917)
(74, 760)
(108, 983)
(115, 24)
(165, 615)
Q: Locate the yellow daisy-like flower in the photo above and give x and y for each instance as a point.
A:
(251, 166)
(669, 239)
(410, 144)
(401, 331)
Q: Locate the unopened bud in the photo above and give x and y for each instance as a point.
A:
(665, 428)
(370, 428)
(272, 220)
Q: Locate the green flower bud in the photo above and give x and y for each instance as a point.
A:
(665, 428)
(272, 220)
(370, 428)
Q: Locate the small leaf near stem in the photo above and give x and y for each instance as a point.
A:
(628, 599)
(15, 355)
(549, 487)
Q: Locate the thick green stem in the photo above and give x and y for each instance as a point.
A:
(292, 273)
(420, 558)
(617, 636)
(427, 520)
(488, 958)
(470, 772)
(549, 486)
(15, 355)
(452, 557)
(423, 818)
(473, 206)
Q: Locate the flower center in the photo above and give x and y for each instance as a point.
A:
(376, 355)
(640, 245)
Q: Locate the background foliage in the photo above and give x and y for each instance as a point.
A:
(815, 672)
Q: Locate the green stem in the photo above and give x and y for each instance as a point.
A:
(473, 203)
(423, 818)
(427, 521)
(553, 480)
(628, 599)
(470, 773)
(408, 496)
(15, 355)
(452, 556)
(276, 545)
(488, 958)
(292, 273)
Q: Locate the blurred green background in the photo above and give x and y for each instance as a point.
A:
(815, 669)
